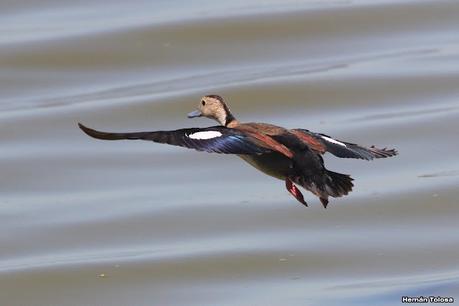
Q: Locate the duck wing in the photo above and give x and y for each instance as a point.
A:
(217, 139)
(324, 143)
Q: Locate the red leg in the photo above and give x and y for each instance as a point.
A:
(295, 191)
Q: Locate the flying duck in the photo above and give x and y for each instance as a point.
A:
(291, 155)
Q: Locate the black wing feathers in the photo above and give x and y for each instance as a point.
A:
(218, 139)
(350, 150)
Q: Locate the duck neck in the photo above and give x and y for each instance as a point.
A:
(229, 120)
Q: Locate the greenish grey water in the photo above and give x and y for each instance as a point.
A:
(86, 222)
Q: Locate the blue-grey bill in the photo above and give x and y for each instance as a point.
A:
(194, 114)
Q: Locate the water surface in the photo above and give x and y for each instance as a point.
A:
(86, 222)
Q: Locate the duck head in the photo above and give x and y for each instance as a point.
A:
(213, 107)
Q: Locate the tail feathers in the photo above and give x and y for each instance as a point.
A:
(338, 184)
(330, 184)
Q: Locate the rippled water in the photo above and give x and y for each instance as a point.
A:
(85, 222)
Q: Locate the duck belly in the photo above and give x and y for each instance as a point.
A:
(272, 164)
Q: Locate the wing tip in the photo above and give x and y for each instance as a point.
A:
(383, 153)
(82, 127)
(97, 134)
(87, 131)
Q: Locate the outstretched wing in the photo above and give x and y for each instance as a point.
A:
(216, 139)
(324, 143)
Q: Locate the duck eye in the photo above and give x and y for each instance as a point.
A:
(203, 102)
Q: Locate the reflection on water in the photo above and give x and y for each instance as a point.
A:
(85, 222)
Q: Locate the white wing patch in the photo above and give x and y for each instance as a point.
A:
(205, 135)
(333, 141)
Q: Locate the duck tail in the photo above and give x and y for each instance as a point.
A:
(330, 184)
(338, 184)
